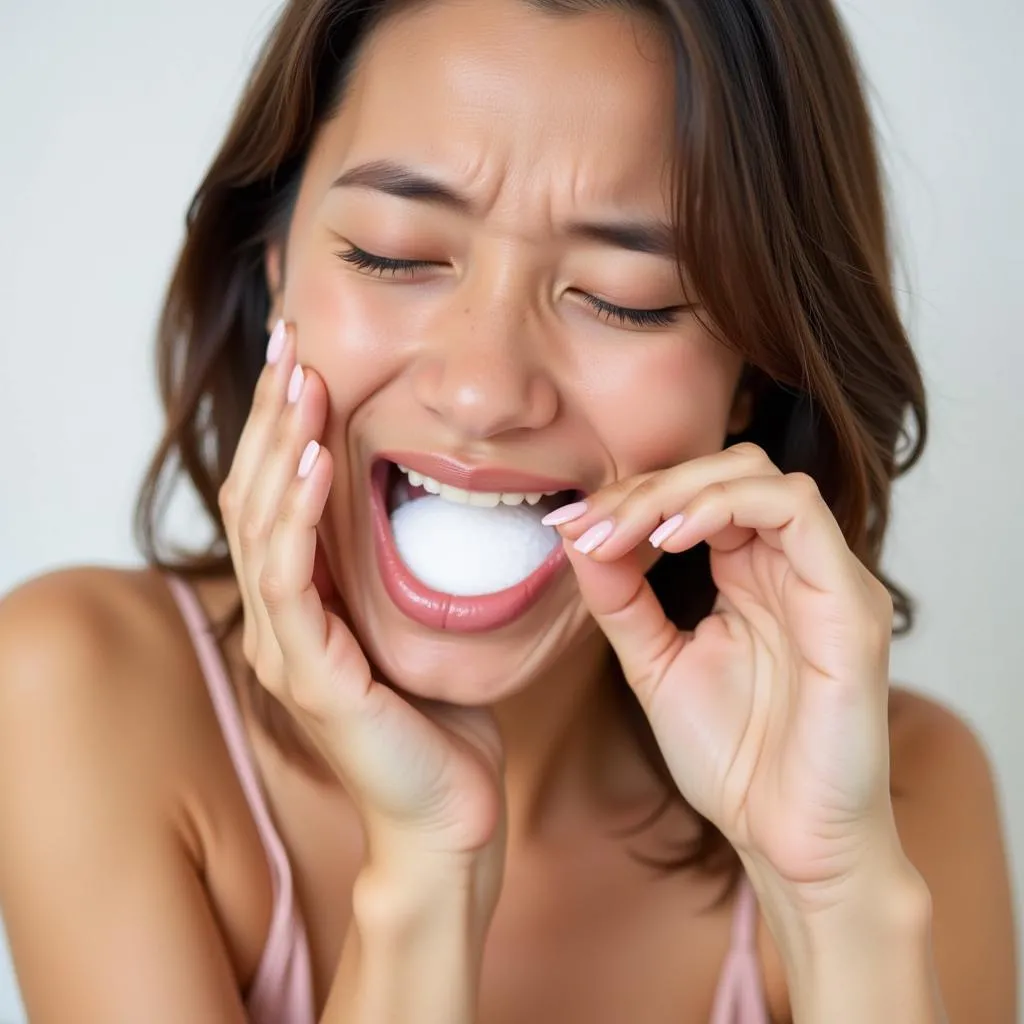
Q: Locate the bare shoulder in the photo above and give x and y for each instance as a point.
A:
(944, 791)
(107, 744)
(935, 753)
(948, 811)
(86, 607)
(101, 651)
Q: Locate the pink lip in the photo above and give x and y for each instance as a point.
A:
(440, 611)
(446, 470)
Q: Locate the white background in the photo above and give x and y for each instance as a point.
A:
(110, 110)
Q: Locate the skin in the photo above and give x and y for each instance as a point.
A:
(493, 357)
(546, 385)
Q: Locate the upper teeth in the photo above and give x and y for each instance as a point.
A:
(484, 499)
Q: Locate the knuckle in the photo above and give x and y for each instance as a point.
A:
(262, 396)
(273, 589)
(755, 459)
(251, 532)
(883, 601)
(646, 488)
(749, 450)
(288, 513)
(309, 698)
(805, 486)
(281, 439)
(227, 499)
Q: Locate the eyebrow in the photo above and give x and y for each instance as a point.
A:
(651, 236)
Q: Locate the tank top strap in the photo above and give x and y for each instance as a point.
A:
(744, 918)
(284, 965)
(739, 998)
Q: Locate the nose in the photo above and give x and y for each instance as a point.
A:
(482, 372)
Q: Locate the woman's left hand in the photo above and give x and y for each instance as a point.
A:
(772, 713)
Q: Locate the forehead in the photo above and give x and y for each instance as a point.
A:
(502, 95)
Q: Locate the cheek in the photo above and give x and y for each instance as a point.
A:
(349, 335)
(661, 404)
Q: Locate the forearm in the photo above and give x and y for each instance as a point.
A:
(413, 952)
(876, 968)
(870, 959)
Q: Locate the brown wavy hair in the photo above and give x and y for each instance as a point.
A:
(781, 228)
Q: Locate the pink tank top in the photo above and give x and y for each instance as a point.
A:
(282, 988)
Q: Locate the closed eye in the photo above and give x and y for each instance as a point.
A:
(664, 317)
(386, 265)
(381, 265)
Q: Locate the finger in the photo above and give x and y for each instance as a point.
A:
(326, 677)
(622, 603)
(303, 417)
(268, 400)
(787, 512)
(608, 531)
(316, 647)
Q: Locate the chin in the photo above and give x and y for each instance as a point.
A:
(456, 670)
(468, 670)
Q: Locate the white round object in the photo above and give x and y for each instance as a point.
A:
(467, 550)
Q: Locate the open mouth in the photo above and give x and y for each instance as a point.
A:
(403, 485)
(464, 558)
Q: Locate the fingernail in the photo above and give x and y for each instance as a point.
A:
(565, 514)
(308, 460)
(295, 385)
(276, 344)
(667, 528)
(594, 536)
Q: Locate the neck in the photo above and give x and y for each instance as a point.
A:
(569, 756)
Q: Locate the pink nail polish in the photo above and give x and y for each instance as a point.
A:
(667, 528)
(276, 344)
(565, 514)
(308, 460)
(594, 537)
(295, 385)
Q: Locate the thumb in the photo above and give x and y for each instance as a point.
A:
(623, 604)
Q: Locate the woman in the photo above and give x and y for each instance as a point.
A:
(620, 263)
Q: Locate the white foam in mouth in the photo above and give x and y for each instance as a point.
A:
(466, 550)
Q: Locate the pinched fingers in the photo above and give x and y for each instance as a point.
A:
(787, 512)
(620, 517)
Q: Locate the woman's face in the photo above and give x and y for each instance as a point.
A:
(533, 129)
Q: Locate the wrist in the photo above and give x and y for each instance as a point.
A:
(866, 954)
(389, 895)
(873, 913)
(415, 945)
(406, 888)
(876, 964)
(409, 873)
(873, 863)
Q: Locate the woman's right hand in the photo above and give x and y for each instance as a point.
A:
(427, 779)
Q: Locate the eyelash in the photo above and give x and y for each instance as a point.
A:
(379, 265)
(382, 265)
